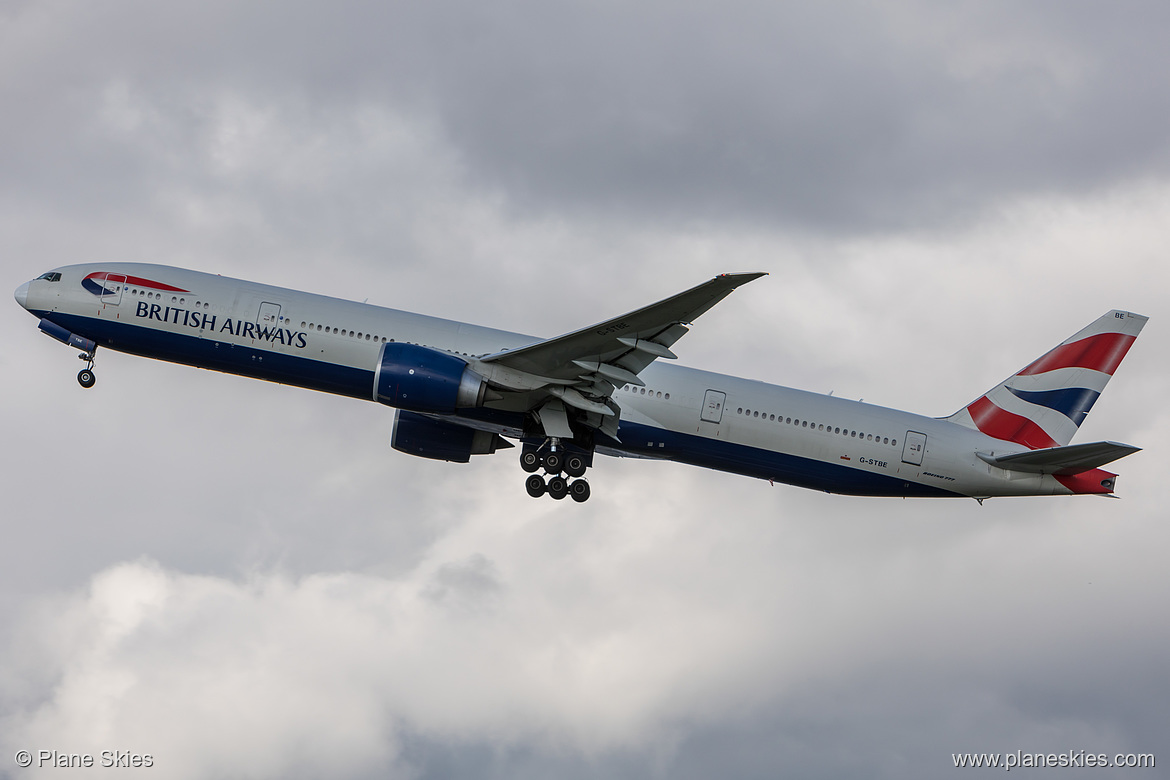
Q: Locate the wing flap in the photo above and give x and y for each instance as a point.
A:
(1062, 461)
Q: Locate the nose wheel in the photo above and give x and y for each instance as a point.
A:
(86, 377)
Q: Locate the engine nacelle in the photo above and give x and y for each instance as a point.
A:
(422, 379)
(427, 438)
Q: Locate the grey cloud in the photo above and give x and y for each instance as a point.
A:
(841, 116)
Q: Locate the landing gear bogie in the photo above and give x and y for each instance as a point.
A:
(562, 470)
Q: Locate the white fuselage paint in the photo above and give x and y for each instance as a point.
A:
(207, 303)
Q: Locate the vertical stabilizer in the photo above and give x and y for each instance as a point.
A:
(1043, 405)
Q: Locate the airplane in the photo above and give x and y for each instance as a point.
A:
(461, 390)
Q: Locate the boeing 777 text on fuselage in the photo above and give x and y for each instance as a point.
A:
(463, 390)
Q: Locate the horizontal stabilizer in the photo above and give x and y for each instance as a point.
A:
(1073, 459)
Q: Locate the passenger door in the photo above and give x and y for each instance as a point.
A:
(269, 315)
(713, 403)
(914, 448)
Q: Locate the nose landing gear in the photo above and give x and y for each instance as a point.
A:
(86, 377)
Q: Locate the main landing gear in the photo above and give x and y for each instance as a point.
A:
(558, 464)
(85, 377)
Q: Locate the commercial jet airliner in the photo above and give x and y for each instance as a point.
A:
(463, 390)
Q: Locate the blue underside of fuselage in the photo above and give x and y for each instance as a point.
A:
(636, 439)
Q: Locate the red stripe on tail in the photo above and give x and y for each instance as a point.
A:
(1102, 352)
(1002, 424)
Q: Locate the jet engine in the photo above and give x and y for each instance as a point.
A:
(415, 434)
(421, 379)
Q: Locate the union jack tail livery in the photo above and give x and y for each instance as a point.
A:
(1042, 405)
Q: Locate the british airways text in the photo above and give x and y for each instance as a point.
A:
(198, 319)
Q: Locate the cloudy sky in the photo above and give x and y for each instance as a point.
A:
(243, 580)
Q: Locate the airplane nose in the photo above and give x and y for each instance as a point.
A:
(22, 295)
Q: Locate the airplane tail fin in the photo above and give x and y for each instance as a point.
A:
(1043, 405)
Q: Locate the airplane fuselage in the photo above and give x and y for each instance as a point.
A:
(681, 414)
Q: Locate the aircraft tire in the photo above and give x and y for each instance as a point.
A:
(554, 462)
(579, 490)
(575, 465)
(86, 378)
(529, 461)
(558, 488)
(535, 486)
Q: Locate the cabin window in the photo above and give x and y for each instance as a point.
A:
(667, 396)
(894, 442)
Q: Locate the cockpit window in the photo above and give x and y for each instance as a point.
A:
(51, 276)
